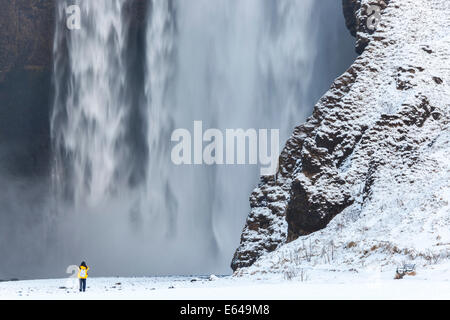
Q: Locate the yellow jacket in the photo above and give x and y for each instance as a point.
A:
(82, 272)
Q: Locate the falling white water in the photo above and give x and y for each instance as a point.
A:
(159, 75)
(88, 121)
(232, 64)
(125, 206)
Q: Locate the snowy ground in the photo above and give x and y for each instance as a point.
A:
(322, 282)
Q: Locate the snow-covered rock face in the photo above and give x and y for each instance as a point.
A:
(360, 19)
(367, 178)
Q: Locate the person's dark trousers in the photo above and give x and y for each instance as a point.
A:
(82, 285)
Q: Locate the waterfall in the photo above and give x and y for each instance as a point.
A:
(230, 63)
(89, 116)
(160, 50)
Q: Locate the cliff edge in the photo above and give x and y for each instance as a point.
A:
(366, 177)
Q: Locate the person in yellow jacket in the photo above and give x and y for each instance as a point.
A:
(82, 275)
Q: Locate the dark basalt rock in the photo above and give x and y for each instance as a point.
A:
(26, 40)
(26, 36)
(311, 175)
(307, 214)
(27, 28)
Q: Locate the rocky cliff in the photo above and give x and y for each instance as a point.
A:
(26, 39)
(26, 32)
(26, 35)
(367, 172)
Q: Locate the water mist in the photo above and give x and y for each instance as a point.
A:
(116, 199)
